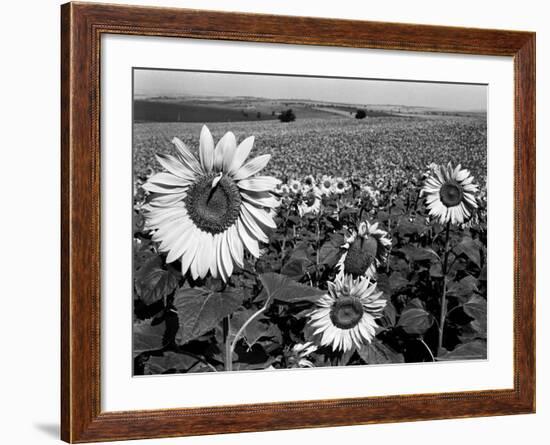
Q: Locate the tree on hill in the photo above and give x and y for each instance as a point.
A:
(287, 116)
(360, 114)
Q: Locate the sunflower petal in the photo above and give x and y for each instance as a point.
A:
(259, 184)
(252, 167)
(242, 152)
(187, 157)
(206, 149)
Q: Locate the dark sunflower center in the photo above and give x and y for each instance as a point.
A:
(340, 185)
(359, 257)
(327, 184)
(346, 312)
(213, 209)
(450, 194)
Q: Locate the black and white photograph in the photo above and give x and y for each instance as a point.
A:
(285, 221)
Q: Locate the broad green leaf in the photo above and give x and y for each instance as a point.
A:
(153, 282)
(295, 268)
(377, 352)
(414, 253)
(258, 329)
(331, 251)
(200, 310)
(169, 361)
(147, 337)
(281, 288)
(298, 263)
(415, 321)
(462, 289)
(473, 350)
(389, 316)
(471, 249)
(476, 307)
(397, 281)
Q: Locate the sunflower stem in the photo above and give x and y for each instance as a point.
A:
(443, 313)
(228, 354)
(427, 348)
(317, 246)
(239, 333)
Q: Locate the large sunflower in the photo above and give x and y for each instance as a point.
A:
(365, 249)
(450, 194)
(345, 317)
(204, 212)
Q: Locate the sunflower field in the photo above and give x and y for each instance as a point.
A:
(360, 242)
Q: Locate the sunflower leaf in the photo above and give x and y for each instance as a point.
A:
(376, 353)
(169, 362)
(476, 307)
(331, 251)
(415, 321)
(463, 289)
(471, 249)
(281, 288)
(474, 350)
(200, 310)
(414, 253)
(153, 283)
(147, 337)
(258, 329)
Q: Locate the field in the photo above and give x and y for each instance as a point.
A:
(336, 146)
(431, 274)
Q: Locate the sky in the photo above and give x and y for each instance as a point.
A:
(466, 97)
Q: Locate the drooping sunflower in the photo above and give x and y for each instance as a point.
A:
(326, 185)
(311, 202)
(366, 249)
(345, 318)
(205, 212)
(450, 194)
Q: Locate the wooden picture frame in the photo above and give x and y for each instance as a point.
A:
(82, 26)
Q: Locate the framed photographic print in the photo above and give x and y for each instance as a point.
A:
(275, 222)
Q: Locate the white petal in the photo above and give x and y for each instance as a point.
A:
(227, 262)
(247, 239)
(219, 258)
(242, 152)
(186, 156)
(236, 246)
(206, 149)
(225, 146)
(259, 184)
(214, 257)
(180, 245)
(189, 254)
(252, 225)
(168, 179)
(205, 243)
(167, 190)
(260, 215)
(174, 166)
(159, 216)
(167, 200)
(252, 167)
